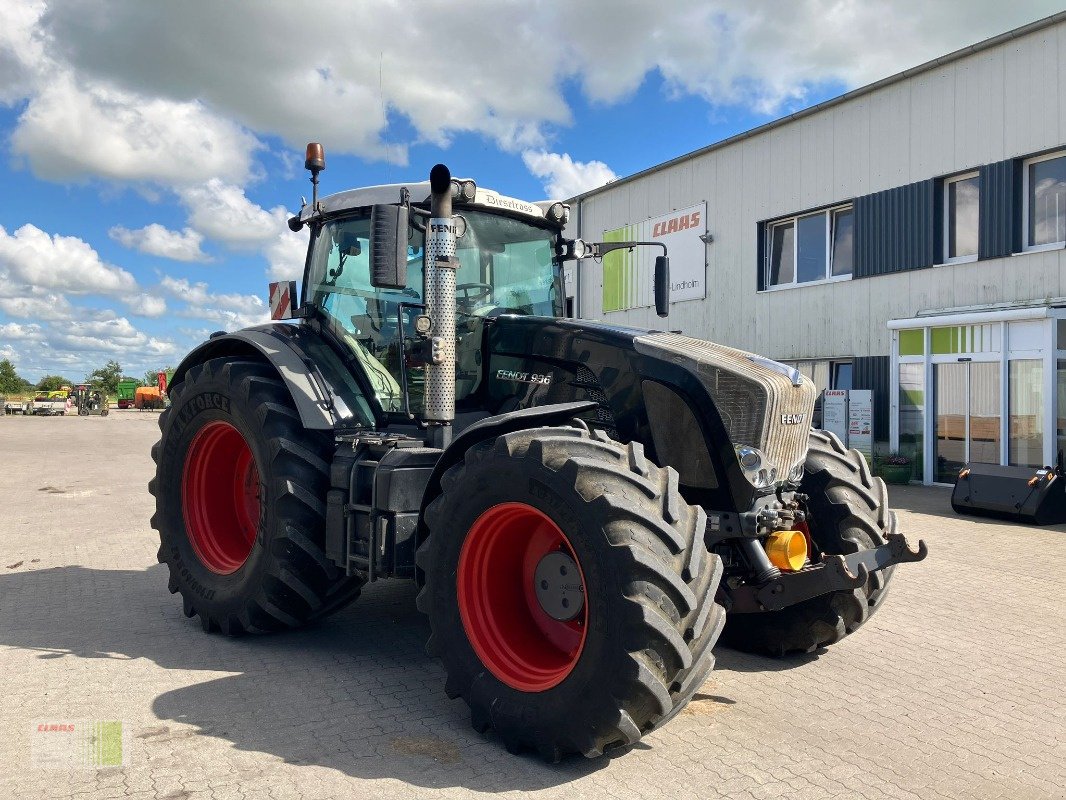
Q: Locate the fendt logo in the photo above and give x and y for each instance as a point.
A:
(791, 419)
(675, 224)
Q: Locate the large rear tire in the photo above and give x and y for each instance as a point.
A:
(848, 512)
(240, 491)
(641, 644)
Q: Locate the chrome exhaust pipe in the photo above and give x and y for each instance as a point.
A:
(439, 268)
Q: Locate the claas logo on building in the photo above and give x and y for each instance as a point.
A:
(675, 224)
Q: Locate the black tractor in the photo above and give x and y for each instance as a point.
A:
(583, 506)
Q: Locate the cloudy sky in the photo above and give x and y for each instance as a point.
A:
(151, 152)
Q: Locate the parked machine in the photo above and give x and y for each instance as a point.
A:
(126, 393)
(89, 400)
(583, 506)
(1022, 494)
(52, 403)
(16, 405)
(147, 398)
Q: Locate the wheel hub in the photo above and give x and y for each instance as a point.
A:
(220, 496)
(521, 595)
(557, 585)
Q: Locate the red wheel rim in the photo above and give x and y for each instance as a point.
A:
(220, 497)
(512, 635)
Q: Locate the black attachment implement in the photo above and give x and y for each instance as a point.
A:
(1022, 494)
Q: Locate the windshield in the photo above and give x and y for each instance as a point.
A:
(506, 266)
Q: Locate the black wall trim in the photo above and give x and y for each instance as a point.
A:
(1000, 226)
(760, 273)
(895, 230)
(872, 372)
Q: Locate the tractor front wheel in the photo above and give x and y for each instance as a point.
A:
(568, 591)
(240, 493)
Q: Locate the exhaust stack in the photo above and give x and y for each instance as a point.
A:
(439, 270)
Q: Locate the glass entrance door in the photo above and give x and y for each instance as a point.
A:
(967, 398)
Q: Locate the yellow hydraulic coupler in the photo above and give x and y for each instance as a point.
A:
(787, 550)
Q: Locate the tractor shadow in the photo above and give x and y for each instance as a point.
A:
(355, 693)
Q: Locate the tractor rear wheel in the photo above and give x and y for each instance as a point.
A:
(240, 493)
(848, 512)
(568, 590)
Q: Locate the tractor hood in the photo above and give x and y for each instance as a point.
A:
(666, 390)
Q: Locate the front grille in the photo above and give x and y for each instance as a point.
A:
(750, 394)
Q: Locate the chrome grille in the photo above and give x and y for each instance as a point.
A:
(751, 393)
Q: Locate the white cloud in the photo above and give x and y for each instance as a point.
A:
(34, 258)
(147, 305)
(223, 212)
(47, 306)
(286, 255)
(130, 90)
(73, 130)
(15, 331)
(232, 311)
(20, 48)
(156, 240)
(563, 177)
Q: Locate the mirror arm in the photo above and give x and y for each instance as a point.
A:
(577, 249)
(600, 249)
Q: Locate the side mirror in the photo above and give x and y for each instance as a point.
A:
(662, 285)
(388, 247)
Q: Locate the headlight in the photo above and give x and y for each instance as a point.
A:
(749, 457)
(795, 475)
(761, 474)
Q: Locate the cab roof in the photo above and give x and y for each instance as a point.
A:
(390, 193)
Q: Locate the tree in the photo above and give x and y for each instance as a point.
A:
(10, 381)
(53, 383)
(151, 377)
(106, 378)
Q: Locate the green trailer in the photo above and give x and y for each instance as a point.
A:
(126, 391)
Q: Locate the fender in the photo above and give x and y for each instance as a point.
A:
(325, 393)
(490, 428)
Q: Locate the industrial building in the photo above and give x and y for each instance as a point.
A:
(906, 237)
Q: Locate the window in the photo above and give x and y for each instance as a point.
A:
(1045, 201)
(961, 207)
(842, 372)
(843, 242)
(810, 247)
(1026, 409)
(912, 414)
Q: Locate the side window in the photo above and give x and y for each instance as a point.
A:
(364, 318)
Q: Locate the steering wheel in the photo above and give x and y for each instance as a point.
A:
(474, 293)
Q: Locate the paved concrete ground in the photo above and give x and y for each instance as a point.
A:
(955, 689)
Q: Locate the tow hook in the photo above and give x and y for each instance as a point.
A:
(834, 573)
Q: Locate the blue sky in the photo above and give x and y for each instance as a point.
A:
(150, 153)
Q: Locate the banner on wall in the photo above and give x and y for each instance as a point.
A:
(628, 275)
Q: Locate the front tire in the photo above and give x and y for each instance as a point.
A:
(240, 493)
(642, 642)
(848, 512)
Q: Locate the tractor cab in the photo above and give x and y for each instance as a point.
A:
(506, 264)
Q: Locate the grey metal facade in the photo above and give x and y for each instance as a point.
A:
(895, 230)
